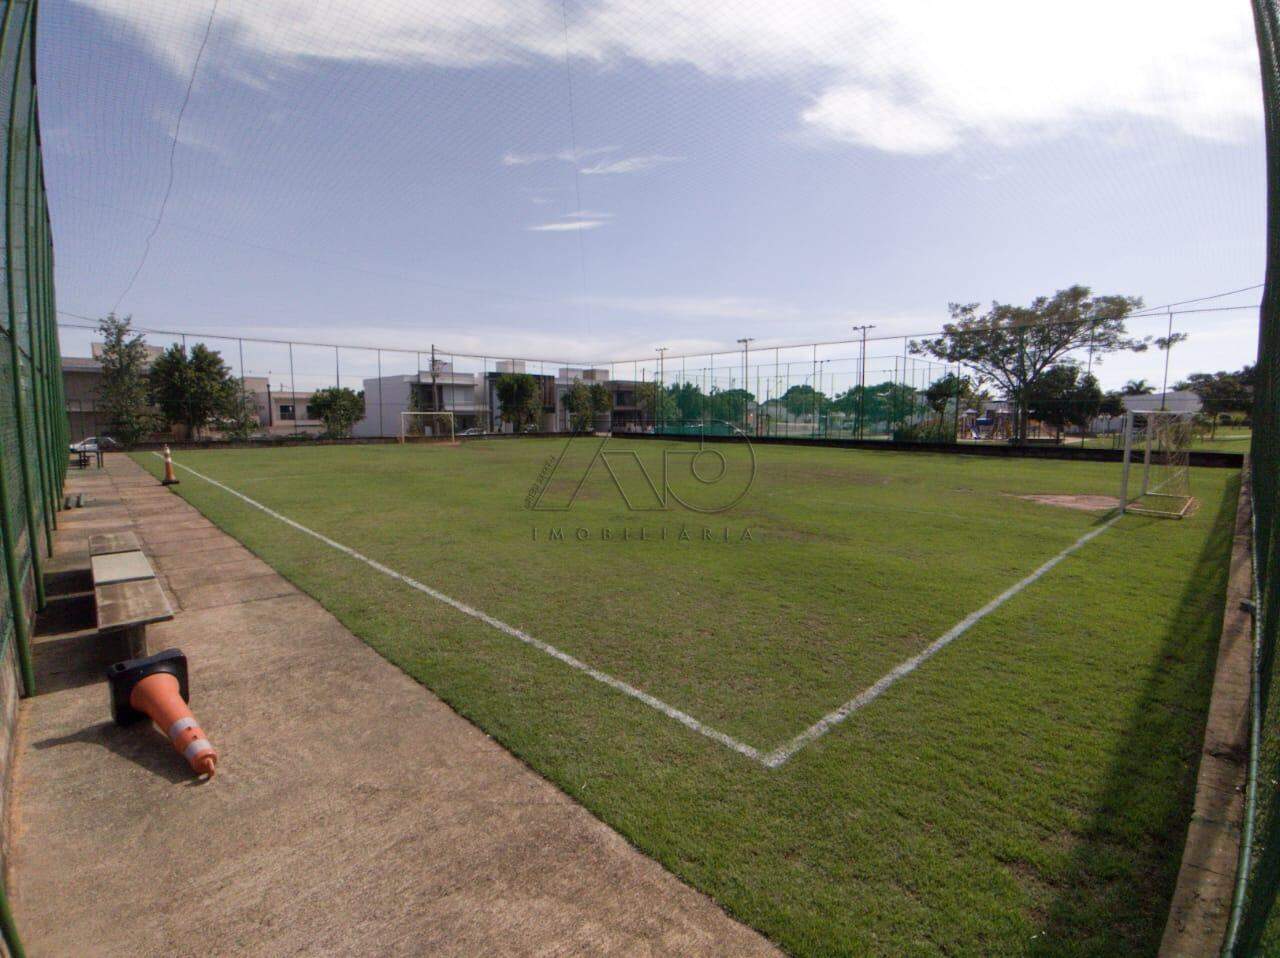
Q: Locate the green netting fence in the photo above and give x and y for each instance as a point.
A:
(33, 432)
(1255, 923)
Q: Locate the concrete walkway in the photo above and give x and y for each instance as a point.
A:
(353, 812)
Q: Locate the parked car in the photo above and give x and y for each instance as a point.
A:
(473, 431)
(94, 443)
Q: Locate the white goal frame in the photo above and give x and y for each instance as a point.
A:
(1175, 486)
(427, 419)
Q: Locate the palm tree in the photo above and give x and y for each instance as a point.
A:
(1137, 387)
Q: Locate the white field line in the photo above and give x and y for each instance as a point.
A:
(668, 710)
(829, 721)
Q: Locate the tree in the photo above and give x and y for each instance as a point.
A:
(578, 401)
(1137, 387)
(942, 391)
(730, 405)
(239, 415)
(1222, 392)
(586, 401)
(518, 396)
(657, 401)
(1112, 404)
(1013, 346)
(804, 400)
(601, 399)
(194, 390)
(123, 393)
(339, 408)
(1063, 397)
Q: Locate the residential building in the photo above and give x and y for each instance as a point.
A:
(446, 390)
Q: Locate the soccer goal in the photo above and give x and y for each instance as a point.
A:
(1163, 440)
(426, 425)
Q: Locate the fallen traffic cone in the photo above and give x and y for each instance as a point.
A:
(169, 478)
(155, 687)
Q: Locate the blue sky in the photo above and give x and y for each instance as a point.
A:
(592, 180)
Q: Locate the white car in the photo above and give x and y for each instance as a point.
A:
(94, 443)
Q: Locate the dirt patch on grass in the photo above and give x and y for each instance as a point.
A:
(1083, 503)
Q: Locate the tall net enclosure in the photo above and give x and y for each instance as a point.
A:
(1156, 478)
(33, 433)
(1255, 920)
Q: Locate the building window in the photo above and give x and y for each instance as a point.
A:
(286, 412)
(311, 412)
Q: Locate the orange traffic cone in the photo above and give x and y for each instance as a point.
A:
(155, 687)
(157, 696)
(169, 478)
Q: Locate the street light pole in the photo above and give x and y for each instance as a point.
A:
(745, 343)
(862, 380)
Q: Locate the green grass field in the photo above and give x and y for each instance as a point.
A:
(1024, 791)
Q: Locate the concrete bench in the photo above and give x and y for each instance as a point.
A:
(126, 594)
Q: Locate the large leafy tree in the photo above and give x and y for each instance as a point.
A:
(1013, 346)
(339, 408)
(193, 390)
(1063, 397)
(123, 393)
(519, 399)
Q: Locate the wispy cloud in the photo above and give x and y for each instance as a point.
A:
(630, 164)
(564, 156)
(565, 226)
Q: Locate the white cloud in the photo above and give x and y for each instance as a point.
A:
(884, 74)
(631, 164)
(565, 156)
(566, 225)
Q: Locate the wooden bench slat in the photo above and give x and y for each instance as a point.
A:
(125, 604)
(103, 543)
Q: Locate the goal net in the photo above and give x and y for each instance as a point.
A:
(1157, 460)
(426, 425)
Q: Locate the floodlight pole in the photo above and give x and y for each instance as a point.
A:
(746, 344)
(657, 399)
(862, 381)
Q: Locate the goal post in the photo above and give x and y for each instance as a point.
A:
(1156, 477)
(426, 425)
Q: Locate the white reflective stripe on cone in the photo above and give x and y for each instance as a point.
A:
(181, 726)
(196, 747)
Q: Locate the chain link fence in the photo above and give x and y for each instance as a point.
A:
(876, 388)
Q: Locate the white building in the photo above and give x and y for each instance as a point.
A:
(446, 391)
